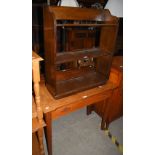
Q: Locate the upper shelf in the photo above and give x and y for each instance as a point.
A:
(87, 25)
(75, 55)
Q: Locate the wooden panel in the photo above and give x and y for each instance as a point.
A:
(49, 45)
(77, 84)
(117, 63)
(104, 65)
(77, 105)
(71, 56)
(69, 74)
(114, 108)
(68, 13)
(51, 104)
(86, 25)
(115, 104)
(108, 42)
(114, 76)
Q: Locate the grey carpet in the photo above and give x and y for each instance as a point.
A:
(79, 134)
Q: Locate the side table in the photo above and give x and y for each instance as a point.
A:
(53, 108)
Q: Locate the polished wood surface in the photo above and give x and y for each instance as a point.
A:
(74, 52)
(49, 103)
(74, 13)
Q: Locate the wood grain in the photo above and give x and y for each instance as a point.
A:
(55, 58)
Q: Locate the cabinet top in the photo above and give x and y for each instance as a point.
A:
(76, 13)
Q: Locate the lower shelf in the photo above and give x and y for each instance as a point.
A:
(71, 86)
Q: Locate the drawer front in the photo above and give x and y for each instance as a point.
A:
(80, 104)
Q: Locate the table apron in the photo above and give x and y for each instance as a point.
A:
(80, 104)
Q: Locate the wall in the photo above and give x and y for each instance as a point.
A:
(115, 7)
(69, 3)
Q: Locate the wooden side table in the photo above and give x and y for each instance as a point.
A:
(37, 113)
(53, 108)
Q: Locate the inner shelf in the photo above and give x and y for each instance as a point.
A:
(90, 80)
(75, 55)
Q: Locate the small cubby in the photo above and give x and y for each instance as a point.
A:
(79, 45)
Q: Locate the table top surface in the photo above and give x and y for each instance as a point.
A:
(50, 104)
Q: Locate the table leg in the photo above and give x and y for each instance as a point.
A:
(48, 132)
(104, 125)
(90, 108)
(40, 138)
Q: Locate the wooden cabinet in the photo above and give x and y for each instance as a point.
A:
(79, 45)
(119, 40)
(112, 108)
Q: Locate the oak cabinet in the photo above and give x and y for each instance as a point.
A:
(79, 45)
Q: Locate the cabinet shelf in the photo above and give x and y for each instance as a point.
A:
(74, 85)
(87, 25)
(75, 55)
(73, 73)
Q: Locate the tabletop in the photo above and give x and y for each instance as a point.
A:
(50, 104)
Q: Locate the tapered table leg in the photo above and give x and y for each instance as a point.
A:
(48, 132)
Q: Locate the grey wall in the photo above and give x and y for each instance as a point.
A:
(115, 7)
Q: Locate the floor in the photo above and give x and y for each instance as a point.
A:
(79, 134)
